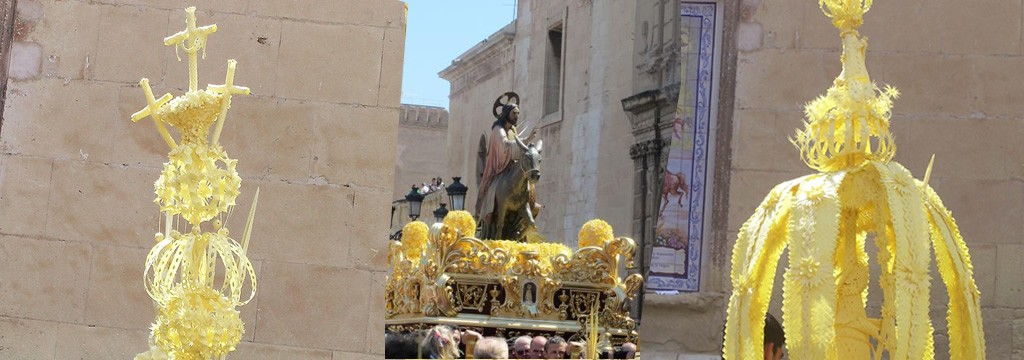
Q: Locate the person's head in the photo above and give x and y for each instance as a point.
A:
(537, 347)
(491, 348)
(774, 338)
(521, 348)
(630, 349)
(509, 114)
(401, 346)
(440, 343)
(556, 348)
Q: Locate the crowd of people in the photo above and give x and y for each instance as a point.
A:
(444, 342)
(435, 184)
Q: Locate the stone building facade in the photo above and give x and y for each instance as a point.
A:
(605, 102)
(317, 135)
(422, 147)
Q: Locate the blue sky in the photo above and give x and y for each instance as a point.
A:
(438, 31)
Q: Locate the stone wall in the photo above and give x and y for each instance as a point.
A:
(318, 136)
(422, 146)
(958, 66)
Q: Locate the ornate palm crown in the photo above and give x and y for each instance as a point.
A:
(196, 277)
(826, 219)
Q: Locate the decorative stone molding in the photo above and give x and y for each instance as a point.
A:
(481, 61)
(645, 148)
(423, 116)
(641, 110)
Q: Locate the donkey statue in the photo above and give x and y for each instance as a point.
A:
(514, 201)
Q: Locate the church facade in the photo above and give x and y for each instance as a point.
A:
(600, 80)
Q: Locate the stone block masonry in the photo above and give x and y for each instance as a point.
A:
(318, 136)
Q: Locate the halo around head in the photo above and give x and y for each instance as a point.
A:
(505, 99)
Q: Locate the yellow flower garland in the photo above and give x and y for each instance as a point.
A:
(545, 251)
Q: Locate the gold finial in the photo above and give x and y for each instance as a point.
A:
(850, 123)
(192, 39)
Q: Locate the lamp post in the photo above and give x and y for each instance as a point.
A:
(441, 212)
(415, 199)
(457, 194)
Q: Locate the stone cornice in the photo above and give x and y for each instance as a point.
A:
(432, 117)
(482, 60)
(640, 108)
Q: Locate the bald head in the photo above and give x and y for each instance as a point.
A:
(537, 347)
(521, 348)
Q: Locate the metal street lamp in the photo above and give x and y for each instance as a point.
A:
(415, 199)
(441, 212)
(457, 194)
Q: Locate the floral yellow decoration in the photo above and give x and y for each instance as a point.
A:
(198, 182)
(414, 239)
(825, 219)
(197, 323)
(197, 277)
(545, 251)
(461, 221)
(193, 113)
(595, 232)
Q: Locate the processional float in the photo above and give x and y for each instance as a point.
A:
(443, 275)
(826, 218)
(196, 274)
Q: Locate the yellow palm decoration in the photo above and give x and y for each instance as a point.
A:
(196, 278)
(826, 218)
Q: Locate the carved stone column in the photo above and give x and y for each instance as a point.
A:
(650, 114)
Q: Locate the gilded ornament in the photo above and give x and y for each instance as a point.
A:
(512, 284)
